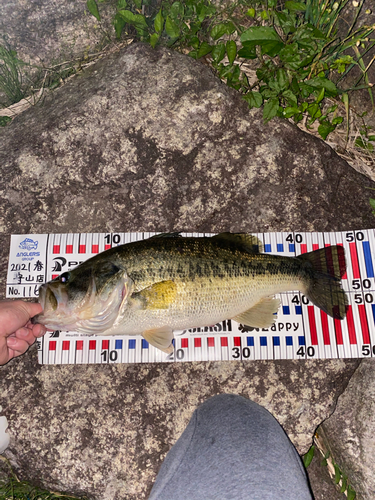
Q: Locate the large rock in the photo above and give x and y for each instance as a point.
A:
(44, 33)
(151, 140)
(350, 431)
(104, 430)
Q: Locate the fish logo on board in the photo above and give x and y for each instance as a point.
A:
(28, 244)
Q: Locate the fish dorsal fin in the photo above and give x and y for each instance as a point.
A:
(166, 235)
(262, 315)
(161, 338)
(157, 296)
(247, 242)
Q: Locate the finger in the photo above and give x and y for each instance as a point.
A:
(4, 352)
(39, 330)
(19, 346)
(33, 308)
(25, 334)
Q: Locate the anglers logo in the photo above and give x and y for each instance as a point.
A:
(28, 244)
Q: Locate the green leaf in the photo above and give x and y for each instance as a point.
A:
(314, 111)
(319, 83)
(372, 203)
(204, 49)
(119, 23)
(222, 29)
(135, 19)
(290, 111)
(295, 6)
(231, 49)
(337, 473)
(194, 42)
(93, 8)
(351, 493)
(260, 34)
(171, 28)
(290, 97)
(250, 12)
(121, 4)
(290, 56)
(307, 458)
(138, 3)
(337, 120)
(177, 10)
(270, 109)
(4, 120)
(248, 51)
(320, 96)
(254, 99)
(282, 79)
(159, 22)
(154, 39)
(218, 31)
(218, 52)
(325, 128)
(344, 478)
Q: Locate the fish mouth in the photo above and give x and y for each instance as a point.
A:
(52, 300)
(48, 299)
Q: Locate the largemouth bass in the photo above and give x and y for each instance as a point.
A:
(168, 282)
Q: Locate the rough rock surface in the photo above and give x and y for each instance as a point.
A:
(350, 431)
(151, 140)
(103, 430)
(43, 33)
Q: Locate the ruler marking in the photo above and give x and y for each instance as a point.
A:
(299, 325)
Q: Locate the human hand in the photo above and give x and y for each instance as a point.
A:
(17, 333)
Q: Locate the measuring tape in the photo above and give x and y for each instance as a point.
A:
(301, 330)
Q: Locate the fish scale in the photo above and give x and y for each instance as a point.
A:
(298, 333)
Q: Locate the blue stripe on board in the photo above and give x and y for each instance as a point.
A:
(280, 247)
(301, 340)
(298, 309)
(276, 340)
(144, 344)
(132, 344)
(250, 341)
(373, 311)
(286, 310)
(368, 260)
(118, 344)
(263, 341)
(292, 248)
(289, 340)
(267, 247)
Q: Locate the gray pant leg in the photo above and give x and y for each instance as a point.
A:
(234, 449)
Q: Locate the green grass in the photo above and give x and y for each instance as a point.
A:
(11, 488)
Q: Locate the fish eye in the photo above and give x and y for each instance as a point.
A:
(64, 277)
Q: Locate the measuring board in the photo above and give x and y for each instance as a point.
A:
(301, 330)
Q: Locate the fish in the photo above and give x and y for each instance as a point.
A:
(169, 282)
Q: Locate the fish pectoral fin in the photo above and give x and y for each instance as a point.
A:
(246, 242)
(160, 338)
(157, 296)
(262, 315)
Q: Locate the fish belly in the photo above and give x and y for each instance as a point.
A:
(204, 302)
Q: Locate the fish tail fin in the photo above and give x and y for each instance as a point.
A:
(327, 267)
